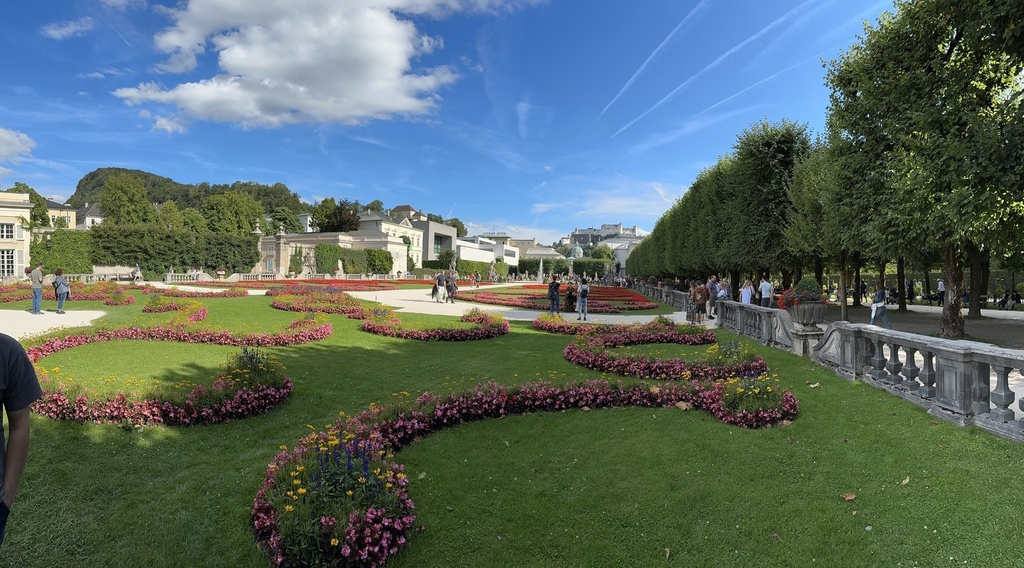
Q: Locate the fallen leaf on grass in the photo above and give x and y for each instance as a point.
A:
(848, 496)
(777, 537)
(855, 513)
(668, 552)
(422, 475)
(585, 409)
(815, 385)
(905, 481)
(683, 405)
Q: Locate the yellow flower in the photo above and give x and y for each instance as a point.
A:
(362, 480)
(297, 482)
(349, 493)
(302, 490)
(288, 508)
(334, 542)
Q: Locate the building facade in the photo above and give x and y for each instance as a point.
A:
(15, 208)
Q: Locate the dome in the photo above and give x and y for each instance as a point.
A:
(576, 252)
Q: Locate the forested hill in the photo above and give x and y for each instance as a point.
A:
(161, 189)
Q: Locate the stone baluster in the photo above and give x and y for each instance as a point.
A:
(1002, 396)
(910, 369)
(927, 375)
(981, 400)
(893, 365)
(877, 361)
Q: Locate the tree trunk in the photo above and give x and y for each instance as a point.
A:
(928, 286)
(951, 324)
(819, 271)
(844, 310)
(986, 273)
(901, 280)
(734, 280)
(856, 287)
(787, 279)
(974, 260)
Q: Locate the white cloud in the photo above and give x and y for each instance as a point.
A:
(123, 4)
(539, 208)
(168, 125)
(14, 146)
(331, 62)
(523, 117)
(66, 29)
(548, 168)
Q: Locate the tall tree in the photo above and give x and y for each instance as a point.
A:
(124, 201)
(288, 218)
(929, 101)
(460, 229)
(170, 216)
(330, 216)
(231, 213)
(194, 221)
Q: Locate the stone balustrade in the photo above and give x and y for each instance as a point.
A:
(963, 382)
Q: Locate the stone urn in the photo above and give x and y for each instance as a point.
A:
(807, 313)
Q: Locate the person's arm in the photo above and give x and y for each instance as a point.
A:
(17, 452)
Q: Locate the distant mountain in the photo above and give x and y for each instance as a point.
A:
(161, 189)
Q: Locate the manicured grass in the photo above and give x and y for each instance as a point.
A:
(600, 488)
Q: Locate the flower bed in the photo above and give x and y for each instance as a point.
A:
(489, 324)
(555, 323)
(321, 301)
(179, 293)
(252, 383)
(313, 509)
(79, 291)
(347, 285)
(590, 350)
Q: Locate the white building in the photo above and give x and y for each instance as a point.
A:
(15, 208)
(483, 249)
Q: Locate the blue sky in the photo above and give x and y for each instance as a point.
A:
(528, 117)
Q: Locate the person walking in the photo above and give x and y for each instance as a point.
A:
(554, 296)
(766, 292)
(581, 299)
(19, 388)
(61, 288)
(878, 306)
(942, 293)
(36, 277)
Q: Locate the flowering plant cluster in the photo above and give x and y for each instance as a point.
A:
(591, 350)
(289, 285)
(321, 301)
(158, 304)
(79, 291)
(806, 290)
(179, 293)
(555, 323)
(252, 383)
(489, 324)
(299, 331)
(119, 298)
(310, 511)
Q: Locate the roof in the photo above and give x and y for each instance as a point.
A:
(51, 204)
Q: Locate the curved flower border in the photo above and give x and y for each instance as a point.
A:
(489, 325)
(590, 350)
(120, 409)
(372, 536)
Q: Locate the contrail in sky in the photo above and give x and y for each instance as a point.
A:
(761, 82)
(122, 37)
(678, 29)
(717, 62)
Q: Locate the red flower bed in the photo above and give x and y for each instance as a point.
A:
(385, 322)
(534, 297)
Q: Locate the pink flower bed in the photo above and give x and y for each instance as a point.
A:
(122, 410)
(299, 331)
(178, 293)
(590, 350)
(381, 533)
(489, 325)
(539, 302)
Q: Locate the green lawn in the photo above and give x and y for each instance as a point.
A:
(623, 487)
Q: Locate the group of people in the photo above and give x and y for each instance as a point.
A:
(575, 297)
(444, 289)
(60, 287)
(762, 295)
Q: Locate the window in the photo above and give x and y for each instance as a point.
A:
(437, 244)
(6, 262)
(7, 231)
